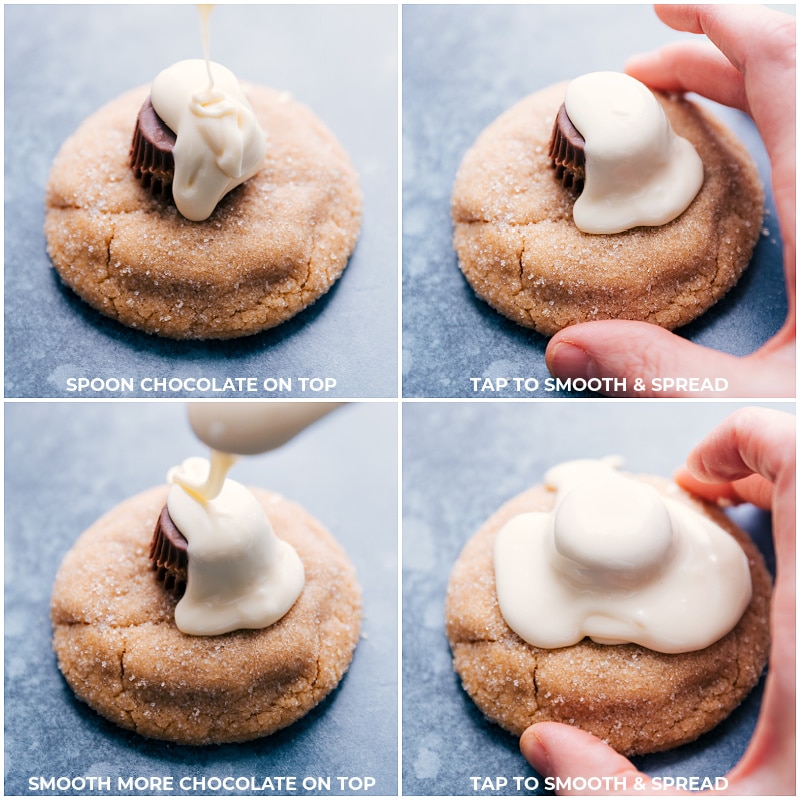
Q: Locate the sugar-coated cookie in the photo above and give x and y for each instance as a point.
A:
(521, 252)
(270, 249)
(120, 651)
(637, 700)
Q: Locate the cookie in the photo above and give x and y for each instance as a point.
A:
(120, 651)
(270, 249)
(521, 252)
(636, 699)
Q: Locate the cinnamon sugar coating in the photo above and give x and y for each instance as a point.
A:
(637, 700)
(270, 249)
(521, 252)
(120, 651)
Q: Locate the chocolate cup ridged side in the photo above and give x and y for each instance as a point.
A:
(151, 156)
(566, 152)
(168, 554)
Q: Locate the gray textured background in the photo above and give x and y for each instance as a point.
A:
(67, 61)
(462, 67)
(462, 461)
(69, 463)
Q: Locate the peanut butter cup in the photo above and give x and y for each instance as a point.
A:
(168, 554)
(566, 152)
(151, 156)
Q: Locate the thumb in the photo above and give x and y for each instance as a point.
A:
(584, 764)
(653, 362)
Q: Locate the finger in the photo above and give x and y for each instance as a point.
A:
(681, 17)
(751, 440)
(741, 32)
(613, 350)
(760, 441)
(753, 489)
(763, 441)
(691, 67)
(560, 751)
(761, 44)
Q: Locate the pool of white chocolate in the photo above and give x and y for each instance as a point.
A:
(240, 574)
(638, 171)
(618, 561)
(219, 143)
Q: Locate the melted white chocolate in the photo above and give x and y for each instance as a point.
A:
(219, 143)
(240, 575)
(618, 562)
(209, 488)
(205, 10)
(638, 171)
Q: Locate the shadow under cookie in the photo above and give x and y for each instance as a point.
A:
(269, 250)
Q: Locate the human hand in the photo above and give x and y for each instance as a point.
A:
(750, 457)
(752, 68)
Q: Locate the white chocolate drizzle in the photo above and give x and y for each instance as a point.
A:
(638, 171)
(619, 562)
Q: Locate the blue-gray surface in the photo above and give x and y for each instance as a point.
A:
(68, 463)
(462, 67)
(67, 61)
(462, 461)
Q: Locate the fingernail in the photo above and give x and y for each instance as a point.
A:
(570, 361)
(535, 752)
